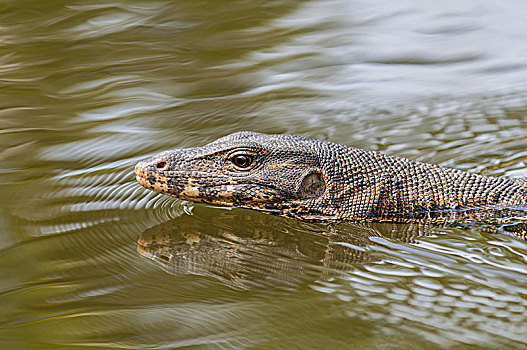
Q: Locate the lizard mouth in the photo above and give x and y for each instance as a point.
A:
(154, 186)
(142, 181)
(139, 170)
(140, 175)
(154, 183)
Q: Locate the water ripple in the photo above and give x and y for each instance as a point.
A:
(90, 89)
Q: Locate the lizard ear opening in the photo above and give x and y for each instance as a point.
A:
(312, 186)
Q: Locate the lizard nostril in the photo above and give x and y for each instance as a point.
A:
(161, 164)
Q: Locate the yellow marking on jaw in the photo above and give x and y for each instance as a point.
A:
(221, 202)
(161, 187)
(142, 181)
(229, 189)
(190, 191)
(160, 184)
(227, 193)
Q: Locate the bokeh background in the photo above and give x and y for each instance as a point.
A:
(88, 88)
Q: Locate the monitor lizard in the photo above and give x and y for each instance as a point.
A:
(315, 180)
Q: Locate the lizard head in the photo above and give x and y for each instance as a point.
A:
(277, 174)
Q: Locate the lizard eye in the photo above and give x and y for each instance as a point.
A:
(242, 161)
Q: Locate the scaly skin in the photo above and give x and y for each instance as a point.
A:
(314, 180)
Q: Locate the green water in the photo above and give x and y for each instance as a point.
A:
(89, 259)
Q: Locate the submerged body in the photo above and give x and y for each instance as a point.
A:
(315, 180)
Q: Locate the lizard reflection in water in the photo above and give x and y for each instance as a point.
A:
(244, 250)
(320, 181)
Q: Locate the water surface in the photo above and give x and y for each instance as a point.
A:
(89, 259)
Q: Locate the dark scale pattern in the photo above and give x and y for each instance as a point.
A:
(322, 181)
